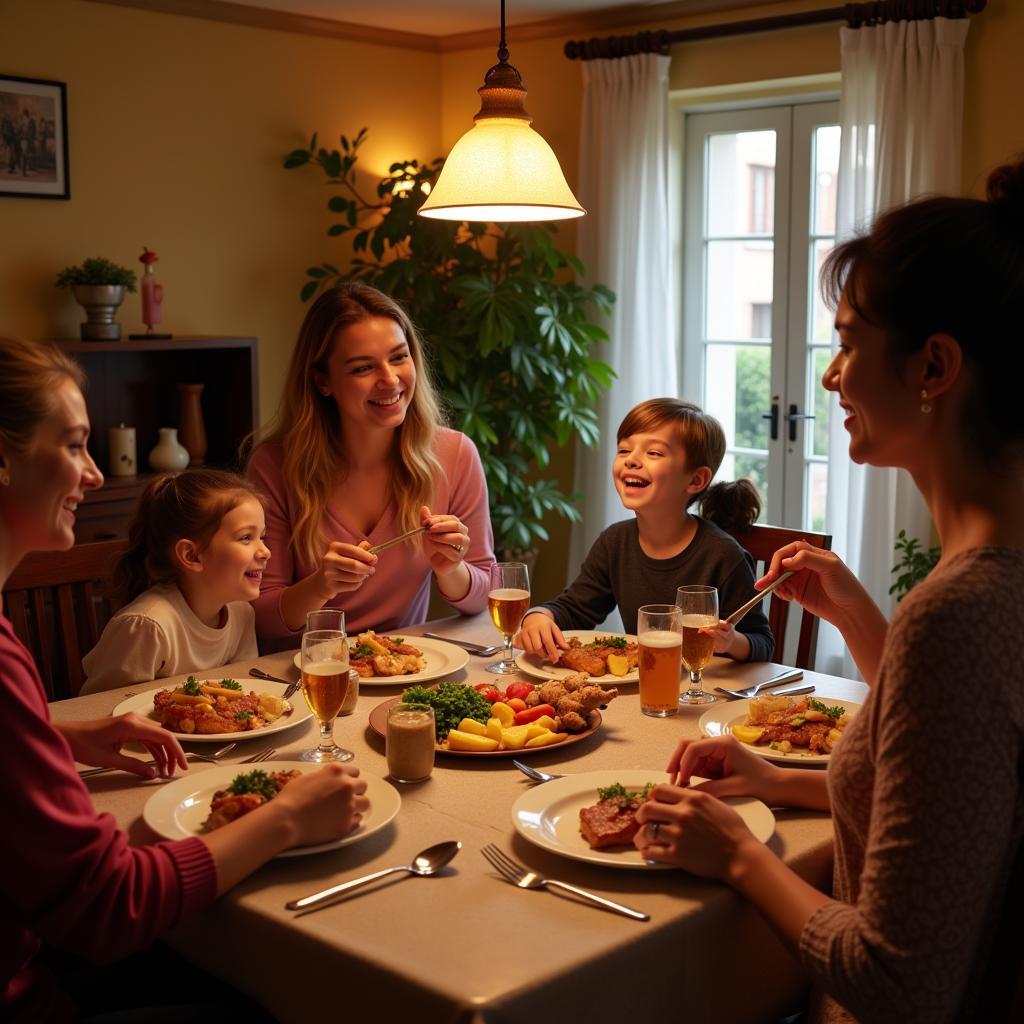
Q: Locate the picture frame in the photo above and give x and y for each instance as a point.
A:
(33, 138)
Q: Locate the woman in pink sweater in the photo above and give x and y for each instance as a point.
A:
(68, 876)
(926, 787)
(356, 457)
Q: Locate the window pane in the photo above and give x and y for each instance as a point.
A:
(737, 392)
(741, 183)
(817, 489)
(739, 280)
(820, 399)
(822, 318)
(826, 169)
(755, 468)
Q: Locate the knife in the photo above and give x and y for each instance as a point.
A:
(786, 691)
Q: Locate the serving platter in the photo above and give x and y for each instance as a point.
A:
(378, 722)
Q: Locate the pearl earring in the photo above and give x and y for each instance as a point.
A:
(926, 406)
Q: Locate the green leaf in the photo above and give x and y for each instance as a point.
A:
(296, 158)
(308, 290)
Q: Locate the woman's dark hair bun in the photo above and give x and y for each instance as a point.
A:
(1005, 188)
(731, 505)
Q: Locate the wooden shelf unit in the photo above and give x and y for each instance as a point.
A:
(135, 383)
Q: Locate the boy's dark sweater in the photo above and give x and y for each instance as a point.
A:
(616, 572)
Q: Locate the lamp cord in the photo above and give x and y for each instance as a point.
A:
(502, 48)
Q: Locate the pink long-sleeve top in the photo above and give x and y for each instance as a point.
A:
(67, 874)
(398, 593)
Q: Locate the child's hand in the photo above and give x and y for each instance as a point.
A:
(728, 640)
(345, 567)
(539, 635)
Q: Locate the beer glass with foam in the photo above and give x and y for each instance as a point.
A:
(659, 634)
(325, 684)
(699, 609)
(507, 601)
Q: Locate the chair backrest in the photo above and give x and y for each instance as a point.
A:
(762, 542)
(58, 603)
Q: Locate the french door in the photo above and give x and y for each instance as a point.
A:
(759, 218)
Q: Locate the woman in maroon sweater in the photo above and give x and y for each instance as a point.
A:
(68, 876)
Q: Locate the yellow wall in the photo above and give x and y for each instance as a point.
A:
(177, 131)
(178, 126)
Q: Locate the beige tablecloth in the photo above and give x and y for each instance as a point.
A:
(466, 946)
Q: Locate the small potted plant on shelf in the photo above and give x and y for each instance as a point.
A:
(99, 286)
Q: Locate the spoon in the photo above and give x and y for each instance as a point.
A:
(426, 863)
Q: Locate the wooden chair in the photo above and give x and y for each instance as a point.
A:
(58, 603)
(762, 542)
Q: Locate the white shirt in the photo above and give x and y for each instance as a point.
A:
(158, 635)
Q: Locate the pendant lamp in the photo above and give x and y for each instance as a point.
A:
(501, 169)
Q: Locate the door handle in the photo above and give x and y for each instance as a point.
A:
(793, 417)
(774, 417)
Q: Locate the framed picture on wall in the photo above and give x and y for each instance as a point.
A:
(33, 138)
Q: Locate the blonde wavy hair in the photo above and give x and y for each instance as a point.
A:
(308, 425)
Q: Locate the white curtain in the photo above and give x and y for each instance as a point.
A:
(624, 243)
(901, 112)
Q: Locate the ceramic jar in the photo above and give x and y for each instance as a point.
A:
(168, 455)
(123, 460)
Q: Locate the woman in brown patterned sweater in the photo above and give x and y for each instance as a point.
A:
(926, 788)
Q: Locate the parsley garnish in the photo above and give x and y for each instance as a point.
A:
(191, 687)
(231, 684)
(254, 782)
(243, 716)
(362, 651)
(836, 712)
(618, 642)
(399, 640)
(618, 789)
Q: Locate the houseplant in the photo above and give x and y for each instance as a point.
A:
(507, 326)
(915, 562)
(99, 285)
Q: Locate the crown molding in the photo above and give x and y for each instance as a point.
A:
(569, 25)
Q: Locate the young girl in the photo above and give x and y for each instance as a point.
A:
(668, 453)
(195, 562)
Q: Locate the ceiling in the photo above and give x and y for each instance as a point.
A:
(440, 17)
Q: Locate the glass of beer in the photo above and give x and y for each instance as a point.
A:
(659, 633)
(507, 601)
(325, 684)
(699, 609)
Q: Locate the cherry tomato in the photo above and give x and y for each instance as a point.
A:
(489, 692)
(519, 689)
(517, 704)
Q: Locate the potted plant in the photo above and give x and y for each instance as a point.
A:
(99, 285)
(508, 327)
(915, 563)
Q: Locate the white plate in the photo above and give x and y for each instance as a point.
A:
(178, 809)
(548, 815)
(142, 704)
(441, 659)
(719, 719)
(534, 665)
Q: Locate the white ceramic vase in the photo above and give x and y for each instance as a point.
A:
(168, 455)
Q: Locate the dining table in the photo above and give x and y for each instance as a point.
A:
(465, 945)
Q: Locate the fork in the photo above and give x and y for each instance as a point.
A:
(515, 873)
(478, 649)
(214, 756)
(263, 755)
(291, 688)
(534, 774)
(789, 675)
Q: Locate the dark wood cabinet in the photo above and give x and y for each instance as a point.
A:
(135, 383)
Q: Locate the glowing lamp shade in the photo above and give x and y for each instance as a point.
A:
(501, 170)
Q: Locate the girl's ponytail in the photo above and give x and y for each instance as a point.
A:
(731, 506)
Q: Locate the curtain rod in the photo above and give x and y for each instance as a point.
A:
(857, 15)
